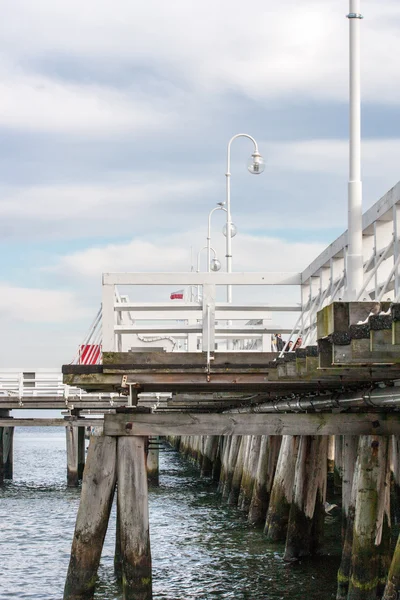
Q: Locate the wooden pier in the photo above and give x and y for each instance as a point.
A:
(262, 426)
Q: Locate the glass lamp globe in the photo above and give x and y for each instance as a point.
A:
(215, 264)
(256, 164)
(233, 230)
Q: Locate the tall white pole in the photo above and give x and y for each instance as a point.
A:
(228, 208)
(354, 268)
(209, 235)
(228, 222)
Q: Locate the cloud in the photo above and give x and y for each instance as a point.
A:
(251, 253)
(267, 50)
(109, 208)
(33, 305)
(31, 102)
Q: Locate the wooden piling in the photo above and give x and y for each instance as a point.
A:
(1, 457)
(210, 452)
(395, 484)
(331, 454)
(238, 470)
(282, 490)
(307, 512)
(81, 451)
(392, 589)
(234, 448)
(338, 467)
(371, 522)
(351, 473)
(153, 457)
(249, 473)
(133, 513)
(72, 437)
(216, 467)
(226, 444)
(268, 456)
(93, 514)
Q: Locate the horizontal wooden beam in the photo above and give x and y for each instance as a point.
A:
(181, 305)
(50, 422)
(252, 424)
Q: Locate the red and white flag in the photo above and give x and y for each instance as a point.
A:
(177, 295)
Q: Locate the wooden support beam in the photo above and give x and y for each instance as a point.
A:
(12, 422)
(93, 514)
(268, 457)
(133, 519)
(152, 464)
(72, 436)
(144, 424)
(282, 490)
(371, 536)
(307, 512)
(249, 473)
(81, 451)
(8, 452)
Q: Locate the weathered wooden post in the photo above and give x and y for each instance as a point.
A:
(307, 512)
(338, 467)
(91, 524)
(133, 518)
(268, 456)
(395, 467)
(210, 452)
(392, 589)
(153, 457)
(81, 451)
(232, 457)
(351, 471)
(217, 464)
(372, 520)
(282, 490)
(8, 451)
(224, 463)
(72, 437)
(249, 473)
(238, 470)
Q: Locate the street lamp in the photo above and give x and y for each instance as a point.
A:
(220, 206)
(255, 166)
(213, 265)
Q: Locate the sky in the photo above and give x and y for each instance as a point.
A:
(114, 123)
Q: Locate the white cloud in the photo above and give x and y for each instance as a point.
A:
(265, 50)
(40, 305)
(251, 253)
(31, 102)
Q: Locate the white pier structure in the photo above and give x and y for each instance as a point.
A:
(209, 326)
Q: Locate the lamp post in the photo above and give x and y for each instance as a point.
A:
(220, 206)
(354, 267)
(256, 166)
(213, 265)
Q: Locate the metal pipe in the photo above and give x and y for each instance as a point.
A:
(376, 398)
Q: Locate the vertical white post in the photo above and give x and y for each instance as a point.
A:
(396, 233)
(355, 251)
(108, 318)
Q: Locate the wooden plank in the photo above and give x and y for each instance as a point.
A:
(179, 306)
(252, 424)
(49, 422)
(170, 359)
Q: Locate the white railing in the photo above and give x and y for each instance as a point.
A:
(324, 280)
(206, 325)
(209, 326)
